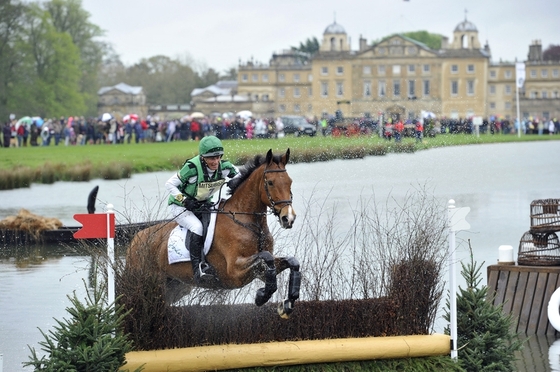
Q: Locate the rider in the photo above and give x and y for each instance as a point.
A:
(191, 188)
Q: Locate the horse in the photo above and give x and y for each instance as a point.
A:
(242, 247)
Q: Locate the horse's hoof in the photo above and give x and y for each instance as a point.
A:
(285, 309)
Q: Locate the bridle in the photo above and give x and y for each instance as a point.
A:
(275, 202)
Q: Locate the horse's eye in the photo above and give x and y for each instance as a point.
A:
(270, 183)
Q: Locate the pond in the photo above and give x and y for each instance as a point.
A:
(498, 183)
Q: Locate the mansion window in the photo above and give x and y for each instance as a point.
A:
(282, 92)
(411, 88)
(265, 77)
(426, 68)
(324, 89)
(507, 74)
(264, 97)
(492, 89)
(339, 70)
(555, 73)
(339, 89)
(310, 77)
(411, 69)
(310, 92)
(367, 70)
(281, 77)
(454, 69)
(426, 87)
(381, 69)
(396, 69)
(255, 77)
(544, 73)
(296, 78)
(454, 87)
(492, 74)
(324, 70)
(470, 69)
(396, 88)
(282, 108)
(533, 95)
(382, 88)
(508, 89)
(508, 105)
(367, 89)
(297, 92)
(470, 87)
(244, 77)
(492, 105)
(297, 108)
(381, 50)
(533, 73)
(544, 94)
(412, 50)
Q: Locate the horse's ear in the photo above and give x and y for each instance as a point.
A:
(286, 157)
(269, 156)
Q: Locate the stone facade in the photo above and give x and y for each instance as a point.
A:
(122, 99)
(398, 77)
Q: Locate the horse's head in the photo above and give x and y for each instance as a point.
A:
(277, 190)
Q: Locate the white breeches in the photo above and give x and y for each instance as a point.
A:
(186, 218)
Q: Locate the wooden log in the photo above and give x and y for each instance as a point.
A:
(220, 357)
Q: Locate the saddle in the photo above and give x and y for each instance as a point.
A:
(177, 250)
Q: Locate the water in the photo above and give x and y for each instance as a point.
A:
(498, 182)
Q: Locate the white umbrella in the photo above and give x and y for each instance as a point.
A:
(244, 114)
(428, 115)
(197, 115)
(106, 117)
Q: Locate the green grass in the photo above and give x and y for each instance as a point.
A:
(21, 166)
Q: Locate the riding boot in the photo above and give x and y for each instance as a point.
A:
(203, 273)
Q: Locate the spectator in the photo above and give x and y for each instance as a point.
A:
(279, 125)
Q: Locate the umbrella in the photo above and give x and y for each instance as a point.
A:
(24, 120)
(428, 115)
(244, 114)
(106, 117)
(197, 115)
(38, 121)
(126, 118)
(133, 117)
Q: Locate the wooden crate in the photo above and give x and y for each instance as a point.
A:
(524, 292)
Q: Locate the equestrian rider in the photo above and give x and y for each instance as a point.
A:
(191, 189)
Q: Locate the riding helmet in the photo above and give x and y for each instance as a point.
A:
(210, 146)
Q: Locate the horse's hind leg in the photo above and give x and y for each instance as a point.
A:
(287, 306)
(270, 286)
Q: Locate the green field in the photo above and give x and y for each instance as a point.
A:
(22, 166)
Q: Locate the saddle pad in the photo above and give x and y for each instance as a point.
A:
(176, 250)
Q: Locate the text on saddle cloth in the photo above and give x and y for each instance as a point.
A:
(177, 251)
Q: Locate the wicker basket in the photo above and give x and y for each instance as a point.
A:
(539, 249)
(545, 215)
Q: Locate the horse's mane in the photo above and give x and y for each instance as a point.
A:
(246, 170)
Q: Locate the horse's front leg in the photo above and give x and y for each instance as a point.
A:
(287, 306)
(270, 285)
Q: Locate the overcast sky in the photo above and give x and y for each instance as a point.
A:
(218, 33)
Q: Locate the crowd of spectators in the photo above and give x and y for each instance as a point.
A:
(94, 131)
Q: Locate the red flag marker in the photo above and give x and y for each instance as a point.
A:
(95, 226)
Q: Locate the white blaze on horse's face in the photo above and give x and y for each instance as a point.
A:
(287, 219)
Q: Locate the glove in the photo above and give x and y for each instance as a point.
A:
(191, 204)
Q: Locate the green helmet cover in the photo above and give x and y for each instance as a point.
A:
(210, 146)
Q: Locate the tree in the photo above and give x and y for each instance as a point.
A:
(485, 340)
(310, 46)
(11, 13)
(552, 53)
(432, 41)
(69, 17)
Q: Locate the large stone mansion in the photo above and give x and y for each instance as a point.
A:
(397, 76)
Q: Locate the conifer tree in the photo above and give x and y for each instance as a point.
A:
(485, 339)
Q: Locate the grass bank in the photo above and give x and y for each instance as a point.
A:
(20, 167)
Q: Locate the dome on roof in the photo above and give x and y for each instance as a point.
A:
(335, 28)
(466, 26)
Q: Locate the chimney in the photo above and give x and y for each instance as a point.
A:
(535, 51)
(444, 42)
(363, 44)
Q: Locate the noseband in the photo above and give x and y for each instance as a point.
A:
(273, 202)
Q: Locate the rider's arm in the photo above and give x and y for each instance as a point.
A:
(172, 186)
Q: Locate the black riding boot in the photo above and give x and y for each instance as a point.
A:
(203, 273)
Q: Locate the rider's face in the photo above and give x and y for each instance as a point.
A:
(212, 162)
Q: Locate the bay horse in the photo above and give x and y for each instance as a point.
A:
(242, 247)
